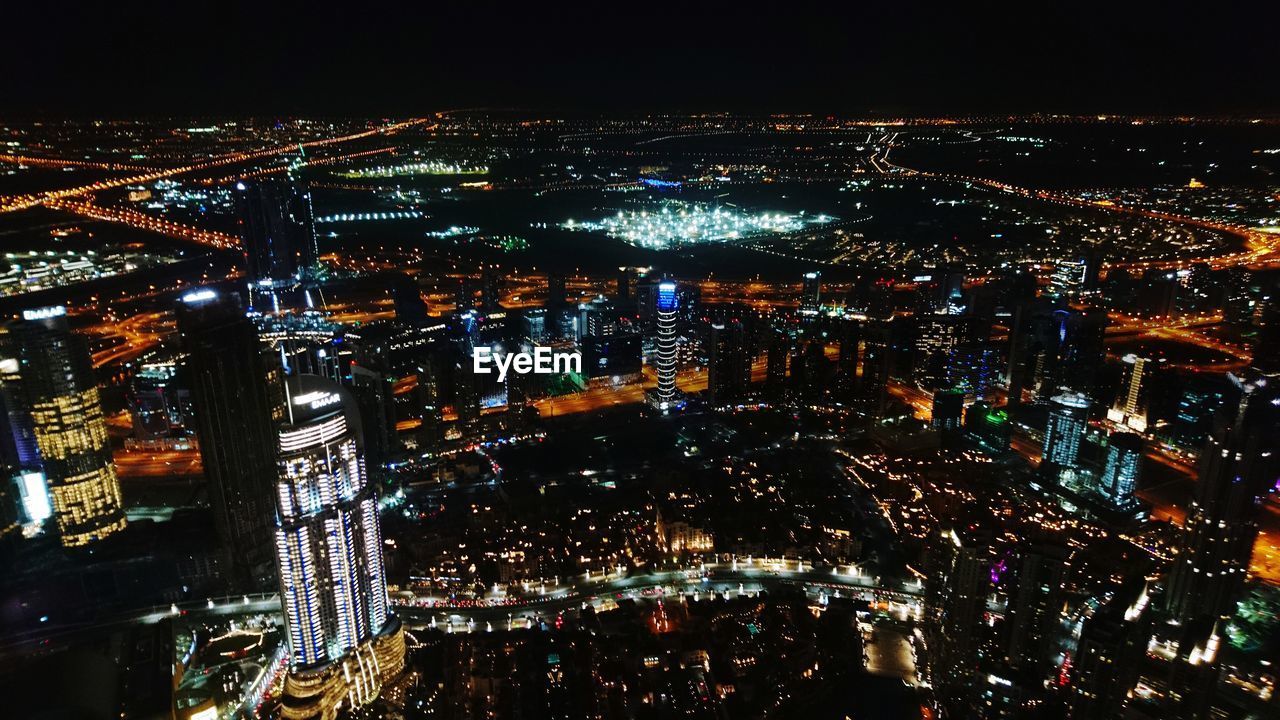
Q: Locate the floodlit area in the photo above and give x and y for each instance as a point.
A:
(674, 223)
(889, 654)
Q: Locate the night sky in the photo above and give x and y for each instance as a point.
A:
(369, 58)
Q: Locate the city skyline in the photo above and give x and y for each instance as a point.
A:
(916, 363)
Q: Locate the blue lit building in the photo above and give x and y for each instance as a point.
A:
(1121, 470)
(667, 306)
(811, 293)
(1068, 419)
(973, 367)
(1189, 426)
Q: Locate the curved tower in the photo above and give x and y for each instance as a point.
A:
(666, 306)
(343, 642)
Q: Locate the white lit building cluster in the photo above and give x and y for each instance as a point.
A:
(429, 167)
(673, 223)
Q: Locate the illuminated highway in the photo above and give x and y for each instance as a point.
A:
(157, 464)
(1262, 249)
(460, 615)
(11, 203)
(142, 221)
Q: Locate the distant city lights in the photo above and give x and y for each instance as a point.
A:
(430, 167)
(673, 223)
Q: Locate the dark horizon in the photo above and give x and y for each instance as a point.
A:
(157, 59)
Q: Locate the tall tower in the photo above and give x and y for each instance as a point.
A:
(59, 391)
(1109, 654)
(811, 293)
(277, 234)
(1122, 469)
(1036, 607)
(344, 644)
(959, 580)
(1130, 407)
(666, 305)
(1068, 419)
(778, 348)
(1237, 467)
(1075, 350)
(729, 363)
(237, 398)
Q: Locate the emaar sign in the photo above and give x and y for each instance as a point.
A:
(542, 361)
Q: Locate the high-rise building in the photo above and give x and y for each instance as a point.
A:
(958, 580)
(1188, 428)
(597, 318)
(1108, 656)
(1071, 350)
(1121, 470)
(811, 293)
(948, 410)
(490, 289)
(667, 306)
(1237, 467)
(811, 372)
(1133, 400)
(1068, 278)
(555, 290)
(940, 334)
(875, 366)
(728, 363)
(160, 406)
(1068, 420)
(1192, 677)
(988, 426)
(949, 281)
(1158, 293)
(59, 392)
(778, 349)
(236, 398)
(343, 641)
(535, 326)
(973, 367)
(277, 234)
(1036, 607)
(407, 300)
(626, 283)
(374, 393)
(614, 355)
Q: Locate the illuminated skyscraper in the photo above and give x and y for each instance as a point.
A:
(973, 367)
(948, 409)
(811, 293)
(58, 389)
(1238, 465)
(1068, 278)
(959, 577)
(1122, 469)
(728, 363)
(1068, 419)
(1109, 655)
(236, 398)
(1072, 350)
(343, 641)
(667, 306)
(277, 233)
(777, 348)
(1035, 608)
(987, 426)
(1130, 407)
